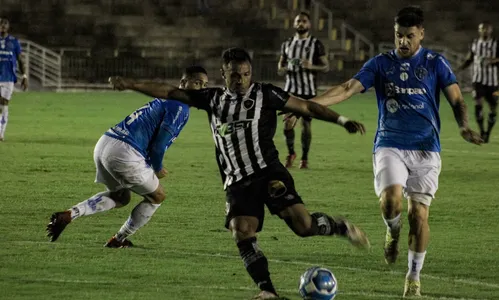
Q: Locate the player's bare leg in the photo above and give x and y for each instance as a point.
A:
(98, 203)
(4, 117)
(289, 134)
(243, 230)
(305, 224)
(140, 216)
(391, 208)
(419, 235)
(492, 118)
(306, 140)
(479, 116)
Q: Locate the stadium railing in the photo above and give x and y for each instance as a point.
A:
(42, 64)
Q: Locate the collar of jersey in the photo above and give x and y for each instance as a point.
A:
(234, 96)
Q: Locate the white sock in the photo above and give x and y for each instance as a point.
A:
(393, 224)
(415, 264)
(95, 204)
(4, 119)
(1, 120)
(139, 217)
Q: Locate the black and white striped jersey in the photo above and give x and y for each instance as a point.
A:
(243, 127)
(300, 81)
(482, 72)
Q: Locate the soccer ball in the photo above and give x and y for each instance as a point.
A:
(318, 284)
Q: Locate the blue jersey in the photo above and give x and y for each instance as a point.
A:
(10, 49)
(152, 128)
(408, 94)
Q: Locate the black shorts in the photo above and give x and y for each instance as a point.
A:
(306, 97)
(485, 91)
(273, 186)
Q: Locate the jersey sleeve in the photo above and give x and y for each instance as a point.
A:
(367, 74)
(17, 48)
(320, 50)
(445, 76)
(201, 98)
(283, 50)
(276, 96)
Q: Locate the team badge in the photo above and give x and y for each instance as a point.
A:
(420, 73)
(248, 103)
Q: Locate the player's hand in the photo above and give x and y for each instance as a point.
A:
(471, 136)
(488, 61)
(354, 127)
(306, 64)
(162, 173)
(120, 83)
(24, 84)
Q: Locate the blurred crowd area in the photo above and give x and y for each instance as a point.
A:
(93, 39)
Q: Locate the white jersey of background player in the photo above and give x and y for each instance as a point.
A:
(10, 56)
(406, 159)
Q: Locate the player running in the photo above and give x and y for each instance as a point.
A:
(128, 157)
(243, 123)
(10, 57)
(408, 81)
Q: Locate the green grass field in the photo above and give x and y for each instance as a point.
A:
(46, 165)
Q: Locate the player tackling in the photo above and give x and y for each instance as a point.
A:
(128, 157)
(10, 58)
(408, 82)
(243, 123)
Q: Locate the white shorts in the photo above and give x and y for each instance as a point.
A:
(120, 166)
(6, 89)
(416, 171)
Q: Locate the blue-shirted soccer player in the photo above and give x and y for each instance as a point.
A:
(128, 158)
(10, 57)
(408, 82)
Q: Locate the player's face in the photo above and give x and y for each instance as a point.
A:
(484, 31)
(408, 40)
(237, 77)
(4, 25)
(196, 81)
(302, 24)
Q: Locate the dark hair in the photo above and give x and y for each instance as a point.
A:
(237, 55)
(410, 16)
(190, 71)
(486, 23)
(304, 13)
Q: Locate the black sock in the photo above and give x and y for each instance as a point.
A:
(256, 264)
(479, 117)
(492, 121)
(306, 139)
(290, 140)
(323, 224)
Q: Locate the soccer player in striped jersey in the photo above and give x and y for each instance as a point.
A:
(129, 158)
(302, 57)
(243, 123)
(484, 56)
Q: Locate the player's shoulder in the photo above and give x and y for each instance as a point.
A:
(287, 41)
(11, 38)
(433, 57)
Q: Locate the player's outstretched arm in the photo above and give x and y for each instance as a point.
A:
(320, 112)
(467, 62)
(456, 100)
(339, 93)
(152, 89)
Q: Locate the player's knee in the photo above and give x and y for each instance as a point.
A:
(289, 124)
(391, 199)
(121, 197)
(417, 213)
(243, 227)
(158, 196)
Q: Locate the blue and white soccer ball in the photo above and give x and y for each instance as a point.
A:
(318, 284)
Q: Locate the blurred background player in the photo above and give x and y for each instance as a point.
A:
(406, 160)
(484, 55)
(302, 56)
(243, 123)
(129, 157)
(10, 57)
